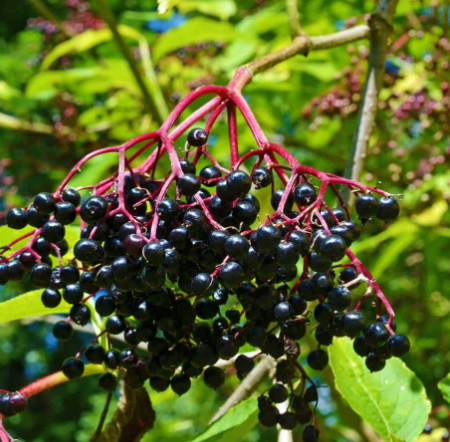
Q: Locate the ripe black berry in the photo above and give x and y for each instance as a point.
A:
(188, 184)
(95, 354)
(333, 248)
(305, 194)
(73, 368)
(374, 363)
(388, 209)
(116, 324)
(354, 323)
(80, 314)
(244, 364)
(36, 219)
(44, 203)
(340, 298)
(266, 239)
(276, 198)
(238, 184)
(318, 359)
(51, 298)
(107, 381)
(87, 250)
(214, 377)
(287, 420)
(94, 209)
(65, 213)
(53, 231)
(73, 294)
(180, 384)
(16, 218)
(310, 434)
(62, 331)
(71, 196)
(262, 177)
(366, 205)
(278, 393)
(398, 345)
(41, 275)
(209, 173)
(376, 334)
(197, 137)
(236, 246)
(231, 274)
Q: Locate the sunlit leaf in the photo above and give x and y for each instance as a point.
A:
(234, 425)
(224, 9)
(166, 5)
(392, 401)
(28, 305)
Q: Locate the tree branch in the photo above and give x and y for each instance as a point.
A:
(284, 435)
(294, 18)
(301, 45)
(8, 122)
(380, 24)
(247, 386)
(149, 102)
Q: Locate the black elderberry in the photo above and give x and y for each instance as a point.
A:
(318, 263)
(233, 316)
(65, 213)
(16, 218)
(214, 377)
(311, 394)
(180, 384)
(376, 334)
(322, 283)
(188, 166)
(188, 184)
(62, 331)
(231, 275)
(324, 313)
(306, 290)
(269, 417)
(87, 250)
(116, 324)
(340, 298)
(73, 294)
(15, 270)
(287, 254)
(154, 253)
(344, 232)
(388, 209)
(210, 173)
(70, 274)
(80, 314)
(262, 177)
(374, 362)
(244, 364)
(238, 184)
(287, 420)
(53, 231)
(95, 353)
(257, 336)
(361, 347)
(112, 359)
(17, 402)
(41, 275)
(220, 296)
(310, 434)
(73, 368)
(206, 308)
(128, 358)
(278, 393)
(71, 196)
(283, 311)
(318, 359)
(266, 239)
(245, 212)
(305, 194)
(236, 246)
(294, 329)
(51, 298)
(347, 275)
(201, 283)
(354, 323)
(333, 248)
(366, 205)
(276, 198)
(398, 345)
(285, 371)
(94, 209)
(44, 203)
(227, 347)
(134, 244)
(197, 137)
(107, 381)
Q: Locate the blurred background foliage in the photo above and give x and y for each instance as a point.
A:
(66, 89)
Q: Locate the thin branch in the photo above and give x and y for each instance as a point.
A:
(380, 24)
(247, 386)
(301, 45)
(294, 18)
(149, 102)
(8, 122)
(44, 10)
(98, 431)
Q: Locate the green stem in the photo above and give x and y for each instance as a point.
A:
(43, 9)
(294, 18)
(149, 102)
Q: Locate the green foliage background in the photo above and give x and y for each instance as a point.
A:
(89, 99)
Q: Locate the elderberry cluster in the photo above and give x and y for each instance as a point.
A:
(191, 274)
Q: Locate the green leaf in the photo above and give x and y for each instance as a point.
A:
(223, 9)
(392, 401)
(444, 386)
(194, 31)
(85, 41)
(28, 305)
(7, 236)
(234, 425)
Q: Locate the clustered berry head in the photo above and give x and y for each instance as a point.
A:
(188, 267)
